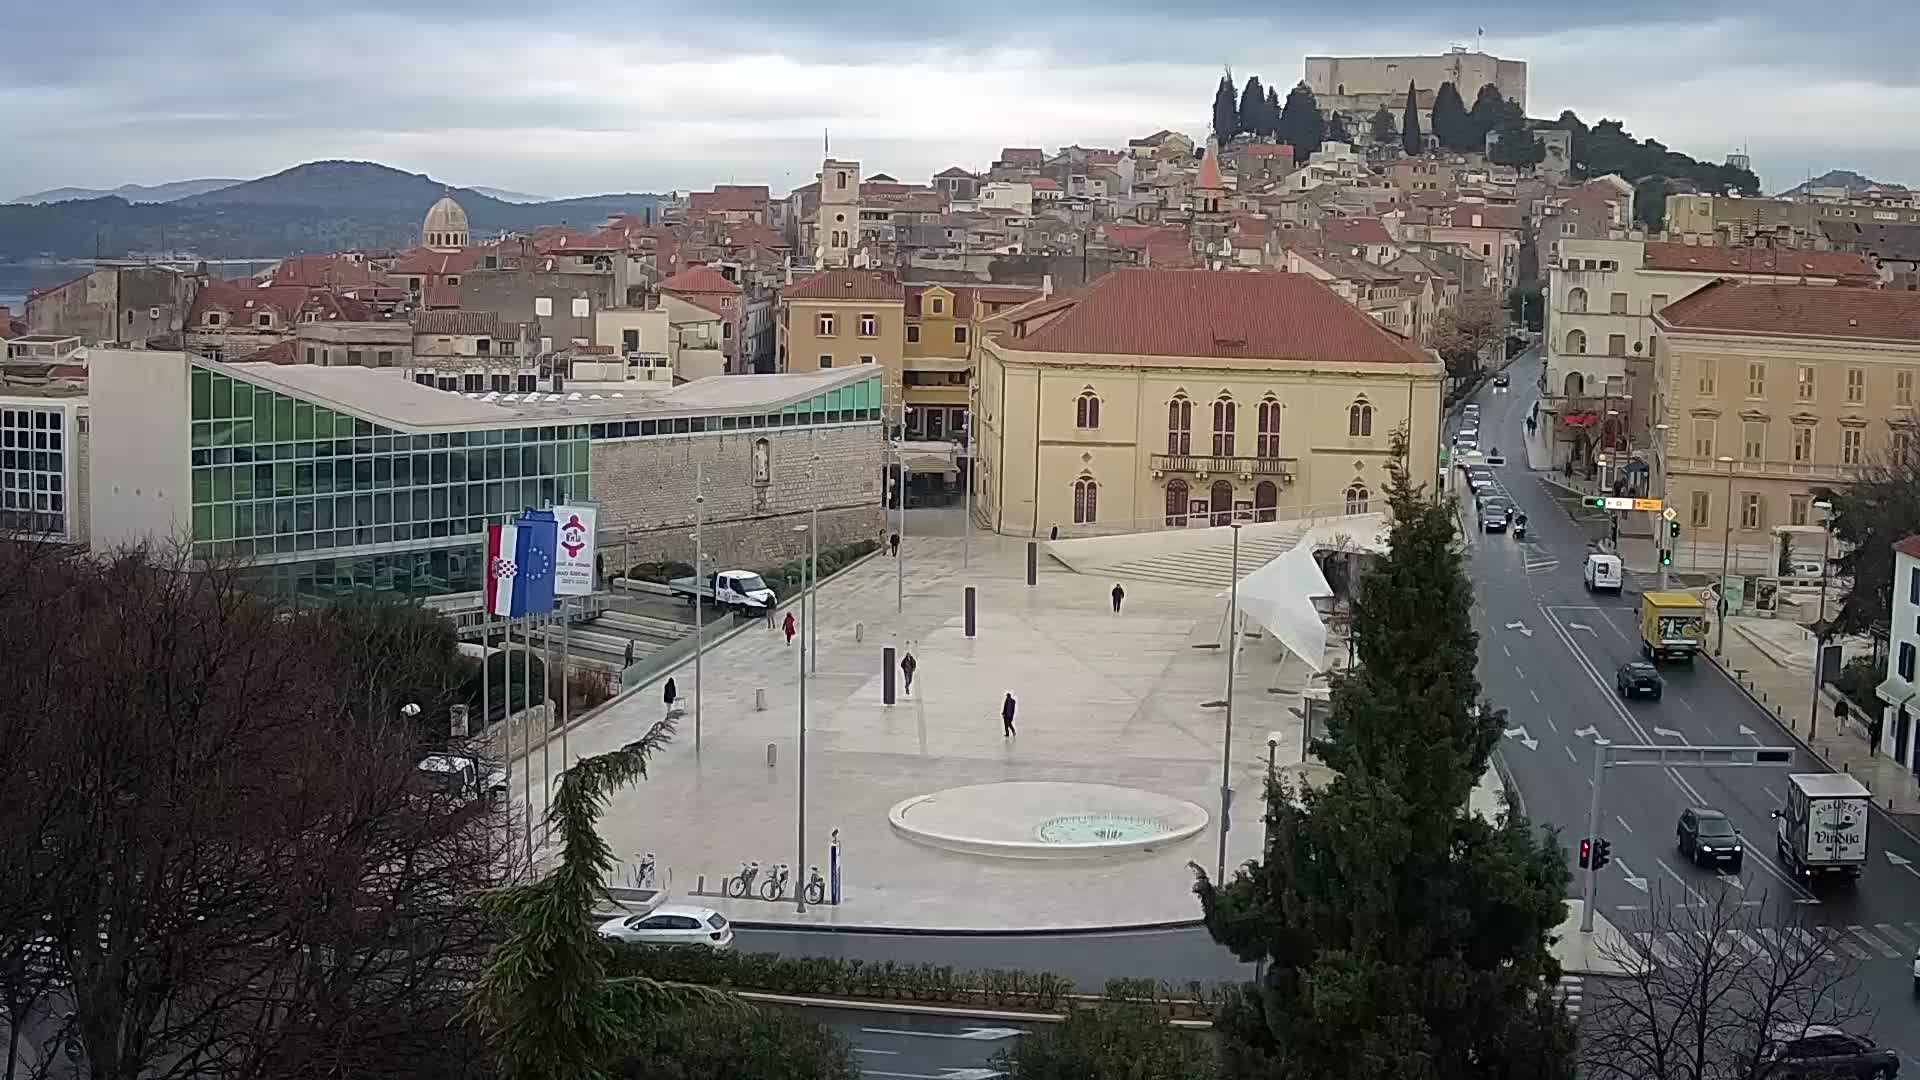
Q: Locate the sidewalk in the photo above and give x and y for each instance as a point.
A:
(1604, 951)
(1772, 659)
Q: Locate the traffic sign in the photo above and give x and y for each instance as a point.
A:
(1603, 502)
(1670, 513)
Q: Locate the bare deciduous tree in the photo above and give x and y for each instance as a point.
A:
(1707, 985)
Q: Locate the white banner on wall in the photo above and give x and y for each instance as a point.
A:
(573, 567)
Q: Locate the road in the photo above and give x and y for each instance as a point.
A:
(1548, 654)
(1176, 956)
(901, 1046)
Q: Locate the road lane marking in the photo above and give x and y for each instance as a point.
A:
(1575, 758)
(1885, 950)
(1893, 934)
(1551, 724)
(868, 1050)
(1508, 651)
(1536, 697)
(1518, 670)
(1623, 822)
(1838, 938)
(1682, 882)
(1747, 943)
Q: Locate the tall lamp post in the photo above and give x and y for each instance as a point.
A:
(1726, 551)
(699, 600)
(800, 801)
(1226, 744)
(1664, 533)
(1820, 624)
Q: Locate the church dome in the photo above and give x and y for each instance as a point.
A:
(446, 225)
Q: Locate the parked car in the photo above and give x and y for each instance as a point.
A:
(1479, 477)
(671, 924)
(1708, 838)
(1496, 514)
(1637, 678)
(1806, 1052)
(1501, 381)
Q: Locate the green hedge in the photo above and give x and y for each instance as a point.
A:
(784, 578)
(887, 980)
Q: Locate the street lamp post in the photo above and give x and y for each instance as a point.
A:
(966, 536)
(1664, 532)
(1226, 745)
(699, 599)
(900, 493)
(1726, 551)
(800, 801)
(1820, 624)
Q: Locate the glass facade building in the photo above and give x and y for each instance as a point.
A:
(34, 467)
(324, 504)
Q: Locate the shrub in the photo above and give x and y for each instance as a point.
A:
(1857, 679)
(659, 572)
(754, 1043)
(1111, 1039)
(832, 976)
(587, 687)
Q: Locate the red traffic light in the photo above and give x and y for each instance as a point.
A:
(1586, 852)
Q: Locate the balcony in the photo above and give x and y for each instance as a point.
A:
(1810, 471)
(1199, 465)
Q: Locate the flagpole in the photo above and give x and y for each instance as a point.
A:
(700, 583)
(566, 662)
(526, 727)
(546, 722)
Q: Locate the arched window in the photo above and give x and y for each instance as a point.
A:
(1179, 425)
(1176, 502)
(1220, 503)
(1576, 341)
(1224, 412)
(1360, 419)
(1576, 384)
(1268, 444)
(1577, 300)
(1086, 410)
(1266, 501)
(1086, 501)
(1357, 498)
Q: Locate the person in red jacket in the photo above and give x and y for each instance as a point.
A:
(790, 627)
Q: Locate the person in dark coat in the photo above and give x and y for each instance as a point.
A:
(1006, 715)
(671, 693)
(893, 545)
(908, 665)
(1119, 594)
(627, 660)
(790, 627)
(1053, 533)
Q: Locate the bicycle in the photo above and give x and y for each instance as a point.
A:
(816, 886)
(776, 884)
(742, 885)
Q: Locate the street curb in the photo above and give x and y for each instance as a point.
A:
(803, 1001)
(934, 931)
(1892, 820)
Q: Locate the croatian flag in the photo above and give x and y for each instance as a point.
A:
(520, 560)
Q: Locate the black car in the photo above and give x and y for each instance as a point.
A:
(1637, 678)
(1495, 514)
(1501, 380)
(1825, 1052)
(1708, 838)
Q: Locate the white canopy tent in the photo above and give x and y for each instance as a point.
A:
(1280, 595)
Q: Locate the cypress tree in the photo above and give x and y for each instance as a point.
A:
(1301, 123)
(1450, 124)
(1404, 935)
(1383, 127)
(1490, 108)
(1272, 113)
(1253, 108)
(1337, 129)
(1226, 115)
(1410, 138)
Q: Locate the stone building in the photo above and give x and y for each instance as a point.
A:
(445, 226)
(1336, 79)
(128, 304)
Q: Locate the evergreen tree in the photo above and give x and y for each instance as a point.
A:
(1410, 138)
(1383, 127)
(1272, 113)
(1253, 109)
(1516, 145)
(1337, 129)
(1491, 112)
(1226, 116)
(1451, 128)
(1301, 124)
(1404, 935)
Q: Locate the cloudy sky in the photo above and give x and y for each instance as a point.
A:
(575, 97)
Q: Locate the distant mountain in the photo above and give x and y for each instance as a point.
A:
(1840, 178)
(511, 196)
(316, 207)
(133, 193)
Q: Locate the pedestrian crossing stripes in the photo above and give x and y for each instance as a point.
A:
(1541, 564)
(1572, 991)
(1833, 944)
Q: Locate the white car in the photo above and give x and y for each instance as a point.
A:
(671, 924)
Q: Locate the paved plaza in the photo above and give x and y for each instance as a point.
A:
(1129, 700)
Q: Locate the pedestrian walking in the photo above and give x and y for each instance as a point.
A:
(1053, 533)
(627, 660)
(1119, 594)
(791, 627)
(893, 545)
(769, 612)
(1006, 716)
(671, 693)
(908, 665)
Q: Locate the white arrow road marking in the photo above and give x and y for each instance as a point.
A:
(1747, 731)
(868, 1050)
(1669, 733)
(1526, 740)
(979, 1034)
(1520, 626)
(1903, 863)
(1637, 882)
(1582, 626)
(1586, 731)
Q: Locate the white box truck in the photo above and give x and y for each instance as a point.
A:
(1822, 830)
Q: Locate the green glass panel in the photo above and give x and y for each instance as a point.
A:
(202, 522)
(283, 478)
(262, 416)
(242, 398)
(243, 482)
(222, 484)
(282, 418)
(243, 520)
(223, 523)
(203, 433)
(222, 397)
(202, 394)
(302, 420)
(202, 486)
(243, 430)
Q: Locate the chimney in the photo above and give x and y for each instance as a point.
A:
(1046, 286)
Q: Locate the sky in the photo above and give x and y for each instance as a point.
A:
(577, 97)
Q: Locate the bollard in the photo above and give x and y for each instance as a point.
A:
(886, 675)
(759, 699)
(1033, 561)
(833, 867)
(772, 754)
(859, 631)
(970, 620)
(700, 885)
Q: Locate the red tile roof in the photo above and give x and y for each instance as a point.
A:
(1210, 170)
(1353, 231)
(847, 285)
(325, 271)
(1023, 155)
(1800, 311)
(1272, 150)
(1909, 547)
(730, 197)
(1724, 260)
(442, 297)
(282, 352)
(426, 262)
(1223, 314)
(700, 279)
(463, 323)
(1045, 183)
(1140, 237)
(955, 171)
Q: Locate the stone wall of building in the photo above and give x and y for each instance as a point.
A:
(646, 489)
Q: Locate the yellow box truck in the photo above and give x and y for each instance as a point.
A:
(1672, 625)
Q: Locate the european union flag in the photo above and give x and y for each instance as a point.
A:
(537, 536)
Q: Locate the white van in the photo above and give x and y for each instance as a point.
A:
(1602, 573)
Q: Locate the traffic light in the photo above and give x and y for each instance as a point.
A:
(1595, 502)
(1602, 854)
(1666, 556)
(1673, 529)
(1586, 851)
